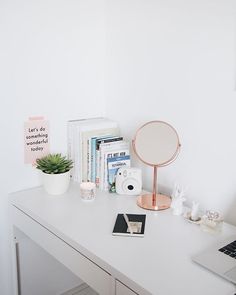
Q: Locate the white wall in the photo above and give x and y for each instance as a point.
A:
(175, 61)
(52, 64)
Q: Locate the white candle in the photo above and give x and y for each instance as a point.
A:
(87, 190)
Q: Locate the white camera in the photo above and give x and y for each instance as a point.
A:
(129, 181)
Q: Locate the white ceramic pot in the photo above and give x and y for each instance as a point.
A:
(56, 184)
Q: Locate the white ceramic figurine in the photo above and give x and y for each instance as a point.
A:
(195, 211)
(177, 200)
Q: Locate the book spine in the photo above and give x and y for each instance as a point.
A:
(93, 159)
(77, 153)
(89, 159)
(97, 177)
(70, 144)
(97, 165)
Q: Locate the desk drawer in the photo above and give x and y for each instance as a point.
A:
(81, 266)
(121, 289)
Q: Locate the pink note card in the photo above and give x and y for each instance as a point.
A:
(36, 139)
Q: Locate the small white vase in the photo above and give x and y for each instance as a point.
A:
(56, 184)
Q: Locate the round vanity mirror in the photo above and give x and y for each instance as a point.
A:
(157, 144)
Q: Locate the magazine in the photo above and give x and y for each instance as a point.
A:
(113, 165)
(110, 150)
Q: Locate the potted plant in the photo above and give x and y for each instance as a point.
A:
(55, 171)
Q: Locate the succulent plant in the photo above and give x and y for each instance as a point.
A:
(54, 164)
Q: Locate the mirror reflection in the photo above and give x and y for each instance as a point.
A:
(156, 143)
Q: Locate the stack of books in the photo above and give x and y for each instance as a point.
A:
(97, 150)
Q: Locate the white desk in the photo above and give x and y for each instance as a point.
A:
(78, 234)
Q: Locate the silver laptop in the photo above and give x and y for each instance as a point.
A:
(221, 259)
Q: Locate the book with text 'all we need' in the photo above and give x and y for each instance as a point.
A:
(129, 225)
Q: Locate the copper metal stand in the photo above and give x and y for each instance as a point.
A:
(154, 201)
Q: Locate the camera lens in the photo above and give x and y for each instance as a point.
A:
(130, 187)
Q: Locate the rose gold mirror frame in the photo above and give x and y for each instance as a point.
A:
(155, 201)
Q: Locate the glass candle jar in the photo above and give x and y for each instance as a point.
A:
(87, 190)
(211, 222)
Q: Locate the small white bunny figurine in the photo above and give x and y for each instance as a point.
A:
(175, 191)
(195, 211)
(178, 200)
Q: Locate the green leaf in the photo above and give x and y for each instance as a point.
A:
(54, 164)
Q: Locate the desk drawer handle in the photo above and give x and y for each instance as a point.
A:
(18, 276)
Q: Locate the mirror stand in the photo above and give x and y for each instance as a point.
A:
(154, 201)
(156, 144)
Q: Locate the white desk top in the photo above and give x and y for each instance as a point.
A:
(159, 263)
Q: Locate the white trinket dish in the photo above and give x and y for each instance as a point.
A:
(188, 218)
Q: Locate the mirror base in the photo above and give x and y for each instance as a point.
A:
(146, 202)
